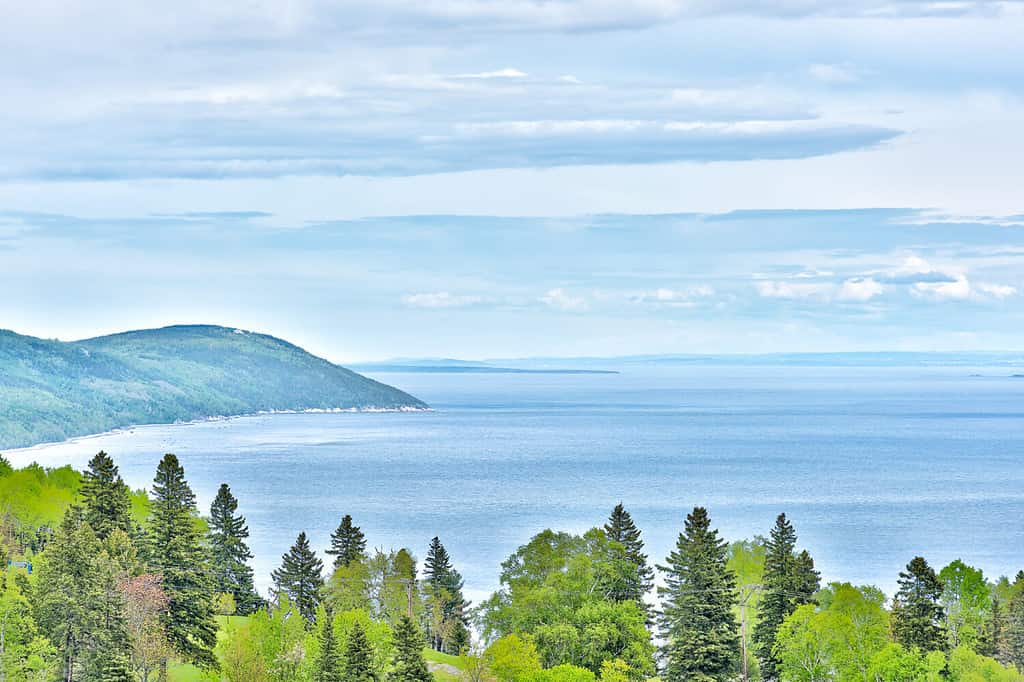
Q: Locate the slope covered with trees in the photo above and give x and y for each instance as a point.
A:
(51, 390)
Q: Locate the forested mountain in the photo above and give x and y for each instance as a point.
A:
(52, 390)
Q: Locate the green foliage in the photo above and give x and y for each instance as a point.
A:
(229, 553)
(560, 673)
(621, 529)
(176, 553)
(26, 654)
(697, 622)
(512, 657)
(448, 608)
(560, 588)
(966, 602)
(348, 544)
(917, 613)
(328, 663)
(53, 390)
(105, 497)
(409, 664)
(300, 577)
(358, 656)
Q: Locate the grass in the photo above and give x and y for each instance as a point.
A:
(442, 675)
(186, 672)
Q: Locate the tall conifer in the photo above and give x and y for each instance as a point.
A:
(106, 497)
(229, 553)
(409, 664)
(348, 544)
(177, 554)
(620, 528)
(917, 613)
(300, 577)
(358, 656)
(328, 665)
(443, 585)
(701, 635)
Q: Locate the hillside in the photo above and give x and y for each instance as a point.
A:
(52, 390)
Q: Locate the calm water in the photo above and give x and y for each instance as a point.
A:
(873, 465)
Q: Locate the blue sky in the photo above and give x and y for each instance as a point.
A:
(485, 178)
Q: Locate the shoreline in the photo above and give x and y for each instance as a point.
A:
(208, 420)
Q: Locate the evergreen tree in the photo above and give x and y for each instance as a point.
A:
(117, 668)
(1015, 626)
(229, 553)
(789, 581)
(358, 656)
(409, 664)
(621, 529)
(328, 666)
(917, 613)
(443, 585)
(176, 553)
(106, 497)
(348, 544)
(300, 577)
(702, 642)
(992, 638)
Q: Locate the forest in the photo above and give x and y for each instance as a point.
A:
(106, 584)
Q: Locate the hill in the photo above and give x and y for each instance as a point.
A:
(53, 390)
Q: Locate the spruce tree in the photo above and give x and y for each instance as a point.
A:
(702, 642)
(358, 656)
(106, 497)
(117, 668)
(328, 665)
(917, 613)
(443, 585)
(992, 638)
(789, 582)
(300, 577)
(621, 529)
(176, 553)
(229, 554)
(348, 544)
(1015, 626)
(409, 664)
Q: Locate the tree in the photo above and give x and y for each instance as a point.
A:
(300, 577)
(512, 657)
(145, 601)
(409, 664)
(105, 496)
(348, 544)
(117, 668)
(621, 529)
(1015, 625)
(966, 602)
(789, 582)
(917, 614)
(443, 586)
(358, 656)
(697, 623)
(176, 553)
(229, 553)
(328, 665)
(24, 653)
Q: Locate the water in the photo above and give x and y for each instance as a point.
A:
(873, 466)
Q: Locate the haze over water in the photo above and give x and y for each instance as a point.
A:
(873, 465)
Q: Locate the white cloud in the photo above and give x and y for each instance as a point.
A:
(683, 298)
(859, 289)
(958, 290)
(561, 300)
(439, 299)
(835, 74)
(999, 291)
(500, 73)
(792, 290)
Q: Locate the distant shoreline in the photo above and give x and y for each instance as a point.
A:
(470, 369)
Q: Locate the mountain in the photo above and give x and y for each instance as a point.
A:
(53, 390)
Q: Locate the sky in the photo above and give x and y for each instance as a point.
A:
(502, 178)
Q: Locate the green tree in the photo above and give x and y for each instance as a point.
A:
(105, 496)
(512, 657)
(1015, 625)
(358, 656)
(176, 553)
(917, 614)
(443, 585)
(117, 668)
(409, 664)
(300, 577)
(789, 581)
(701, 635)
(24, 653)
(348, 544)
(328, 665)
(621, 529)
(229, 553)
(966, 603)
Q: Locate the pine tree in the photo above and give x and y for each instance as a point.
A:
(117, 668)
(176, 552)
(917, 613)
(106, 498)
(409, 664)
(992, 639)
(701, 635)
(300, 577)
(1015, 626)
(348, 544)
(229, 554)
(789, 582)
(621, 529)
(358, 656)
(328, 666)
(443, 585)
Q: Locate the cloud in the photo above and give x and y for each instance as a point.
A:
(793, 290)
(957, 290)
(859, 289)
(439, 299)
(833, 73)
(681, 298)
(998, 291)
(501, 73)
(559, 299)
(916, 270)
